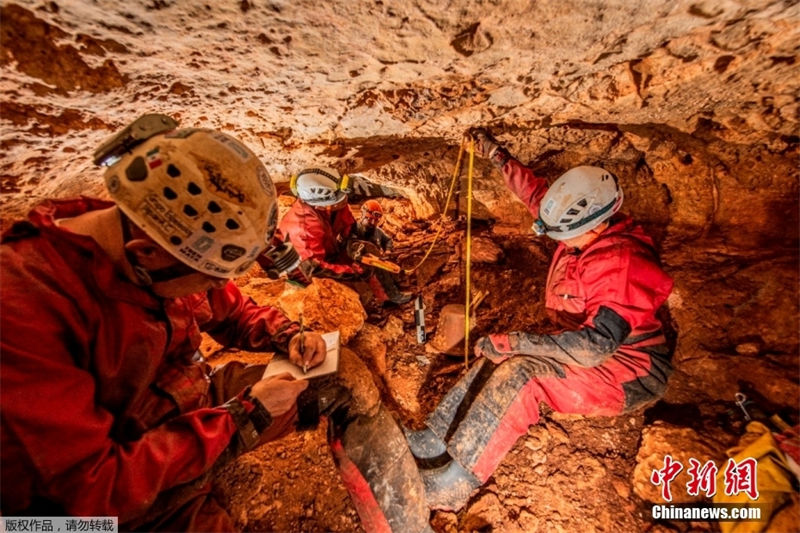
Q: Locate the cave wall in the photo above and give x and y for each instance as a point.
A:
(692, 103)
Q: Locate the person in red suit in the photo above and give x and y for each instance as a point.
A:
(106, 406)
(320, 226)
(604, 289)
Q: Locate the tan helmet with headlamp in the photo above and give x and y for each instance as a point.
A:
(200, 194)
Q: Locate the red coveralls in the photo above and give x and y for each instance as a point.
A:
(102, 407)
(320, 237)
(611, 357)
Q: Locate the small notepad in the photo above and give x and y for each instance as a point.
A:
(281, 363)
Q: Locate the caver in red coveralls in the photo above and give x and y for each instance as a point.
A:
(320, 238)
(611, 356)
(104, 412)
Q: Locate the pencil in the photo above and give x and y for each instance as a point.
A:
(303, 346)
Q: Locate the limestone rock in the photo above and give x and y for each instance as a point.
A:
(405, 383)
(358, 379)
(326, 304)
(445, 521)
(748, 348)
(484, 250)
(393, 329)
(487, 510)
(370, 346)
(662, 439)
(691, 103)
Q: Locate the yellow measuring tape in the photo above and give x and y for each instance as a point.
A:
(468, 275)
(456, 172)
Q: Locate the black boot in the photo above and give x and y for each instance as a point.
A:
(449, 487)
(393, 294)
(401, 298)
(426, 448)
(379, 472)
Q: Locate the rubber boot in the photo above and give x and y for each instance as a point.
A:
(449, 487)
(394, 295)
(424, 445)
(380, 474)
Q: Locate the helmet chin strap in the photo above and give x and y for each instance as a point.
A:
(146, 277)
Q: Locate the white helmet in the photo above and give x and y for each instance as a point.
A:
(199, 194)
(578, 201)
(320, 187)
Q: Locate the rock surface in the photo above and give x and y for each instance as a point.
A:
(326, 305)
(484, 251)
(692, 103)
(681, 444)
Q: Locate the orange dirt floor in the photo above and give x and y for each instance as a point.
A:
(570, 473)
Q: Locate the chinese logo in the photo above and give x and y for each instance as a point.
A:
(738, 477)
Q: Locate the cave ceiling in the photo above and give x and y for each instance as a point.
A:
(692, 103)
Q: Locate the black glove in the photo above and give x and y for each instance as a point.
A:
(487, 146)
(497, 348)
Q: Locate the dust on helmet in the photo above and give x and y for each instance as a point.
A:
(201, 195)
(577, 202)
(320, 187)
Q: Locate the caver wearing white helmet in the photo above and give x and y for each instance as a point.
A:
(200, 194)
(321, 187)
(104, 378)
(610, 355)
(320, 225)
(578, 201)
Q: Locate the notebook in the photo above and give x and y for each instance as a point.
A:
(281, 363)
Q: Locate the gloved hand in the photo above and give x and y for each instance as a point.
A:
(487, 146)
(497, 348)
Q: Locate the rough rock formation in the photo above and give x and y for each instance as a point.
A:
(692, 103)
(681, 444)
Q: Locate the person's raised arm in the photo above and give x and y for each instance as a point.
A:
(519, 178)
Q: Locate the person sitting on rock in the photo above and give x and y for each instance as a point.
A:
(107, 409)
(604, 288)
(320, 225)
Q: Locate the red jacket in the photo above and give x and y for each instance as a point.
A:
(102, 407)
(616, 270)
(319, 236)
(615, 278)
